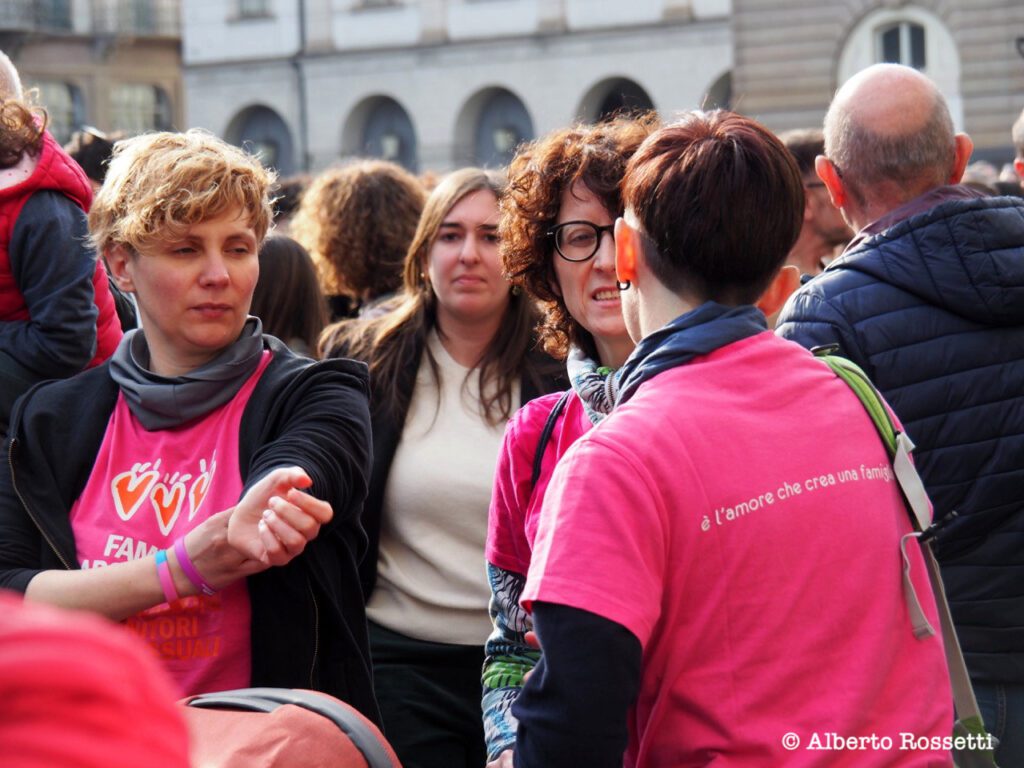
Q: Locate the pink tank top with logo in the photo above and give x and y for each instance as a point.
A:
(146, 490)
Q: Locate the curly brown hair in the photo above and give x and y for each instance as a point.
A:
(21, 130)
(357, 221)
(594, 155)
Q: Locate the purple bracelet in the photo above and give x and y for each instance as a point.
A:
(190, 571)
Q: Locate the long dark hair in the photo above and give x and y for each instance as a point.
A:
(288, 298)
(387, 342)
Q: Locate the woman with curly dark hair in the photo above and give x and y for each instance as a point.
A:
(556, 242)
(357, 221)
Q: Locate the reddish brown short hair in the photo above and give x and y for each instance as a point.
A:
(541, 171)
(722, 202)
(21, 130)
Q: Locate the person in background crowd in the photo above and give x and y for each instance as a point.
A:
(92, 150)
(448, 366)
(982, 176)
(357, 222)
(700, 587)
(82, 692)
(556, 241)
(287, 297)
(824, 233)
(57, 315)
(1017, 136)
(167, 487)
(288, 194)
(927, 299)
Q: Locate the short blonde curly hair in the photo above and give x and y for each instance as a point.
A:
(160, 184)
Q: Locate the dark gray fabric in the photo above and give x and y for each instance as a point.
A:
(933, 310)
(52, 264)
(161, 402)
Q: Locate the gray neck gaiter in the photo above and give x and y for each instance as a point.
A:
(161, 402)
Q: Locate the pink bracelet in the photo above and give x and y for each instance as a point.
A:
(163, 572)
(190, 571)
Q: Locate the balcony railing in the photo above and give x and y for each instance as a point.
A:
(35, 15)
(116, 18)
(138, 18)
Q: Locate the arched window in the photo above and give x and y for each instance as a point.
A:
(907, 35)
(616, 95)
(901, 43)
(503, 124)
(261, 131)
(719, 95)
(389, 134)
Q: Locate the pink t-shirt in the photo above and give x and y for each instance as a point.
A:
(738, 517)
(148, 489)
(515, 501)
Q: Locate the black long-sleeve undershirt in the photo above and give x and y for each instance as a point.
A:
(573, 709)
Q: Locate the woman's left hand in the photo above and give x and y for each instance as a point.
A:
(275, 519)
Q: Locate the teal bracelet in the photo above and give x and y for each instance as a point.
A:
(163, 572)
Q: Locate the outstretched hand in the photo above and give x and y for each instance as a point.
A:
(275, 519)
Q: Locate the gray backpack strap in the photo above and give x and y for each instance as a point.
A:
(347, 720)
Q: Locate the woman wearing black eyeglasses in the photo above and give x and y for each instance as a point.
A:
(557, 243)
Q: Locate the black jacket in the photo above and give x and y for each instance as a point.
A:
(932, 308)
(541, 375)
(308, 621)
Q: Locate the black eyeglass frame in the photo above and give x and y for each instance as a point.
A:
(598, 237)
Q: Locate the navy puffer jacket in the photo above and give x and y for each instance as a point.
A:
(933, 310)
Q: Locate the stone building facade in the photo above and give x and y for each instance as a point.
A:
(439, 83)
(111, 64)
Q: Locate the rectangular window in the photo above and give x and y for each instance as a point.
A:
(62, 110)
(917, 46)
(136, 108)
(891, 46)
(248, 9)
(53, 14)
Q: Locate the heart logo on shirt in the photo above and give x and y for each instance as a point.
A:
(167, 502)
(197, 493)
(131, 488)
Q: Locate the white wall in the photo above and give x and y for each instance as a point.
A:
(211, 32)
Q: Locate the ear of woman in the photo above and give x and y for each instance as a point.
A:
(627, 246)
(786, 280)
